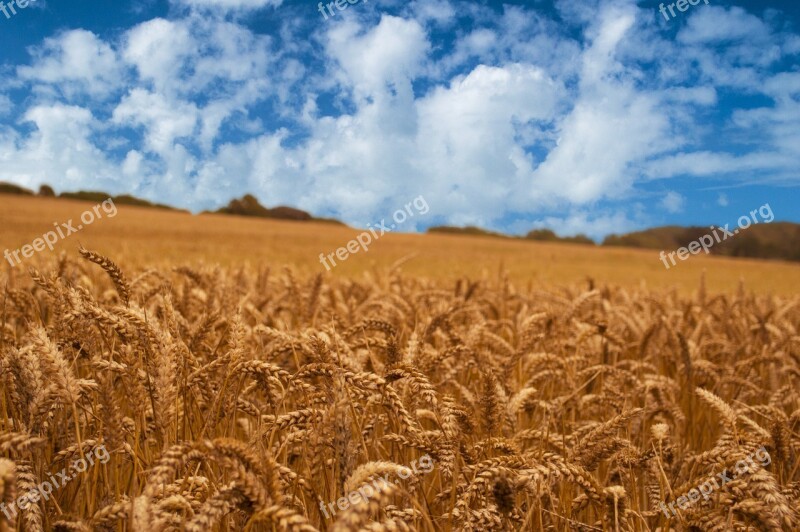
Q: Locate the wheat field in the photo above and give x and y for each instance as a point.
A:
(150, 238)
(242, 398)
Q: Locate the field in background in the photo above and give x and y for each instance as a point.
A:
(140, 237)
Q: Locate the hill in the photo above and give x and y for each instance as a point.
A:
(539, 235)
(470, 230)
(546, 235)
(248, 205)
(777, 240)
(170, 238)
(10, 188)
(773, 241)
(122, 199)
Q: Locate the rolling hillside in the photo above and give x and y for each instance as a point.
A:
(151, 236)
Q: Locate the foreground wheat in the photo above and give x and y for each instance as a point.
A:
(248, 400)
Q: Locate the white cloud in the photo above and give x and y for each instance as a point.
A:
(5, 105)
(691, 95)
(219, 61)
(714, 24)
(610, 130)
(599, 60)
(595, 225)
(467, 138)
(713, 164)
(132, 165)
(438, 11)
(59, 146)
(76, 62)
(390, 53)
(164, 120)
(226, 52)
(673, 202)
(599, 148)
(159, 50)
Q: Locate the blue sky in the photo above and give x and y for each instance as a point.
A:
(593, 116)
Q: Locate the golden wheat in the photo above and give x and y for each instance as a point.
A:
(245, 400)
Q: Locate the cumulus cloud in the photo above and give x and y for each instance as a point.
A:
(75, 62)
(438, 11)
(673, 202)
(468, 137)
(611, 128)
(158, 49)
(388, 54)
(60, 145)
(163, 120)
(716, 24)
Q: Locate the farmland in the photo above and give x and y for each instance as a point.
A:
(148, 237)
(205, 373)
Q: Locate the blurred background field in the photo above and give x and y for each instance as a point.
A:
(140, 237)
